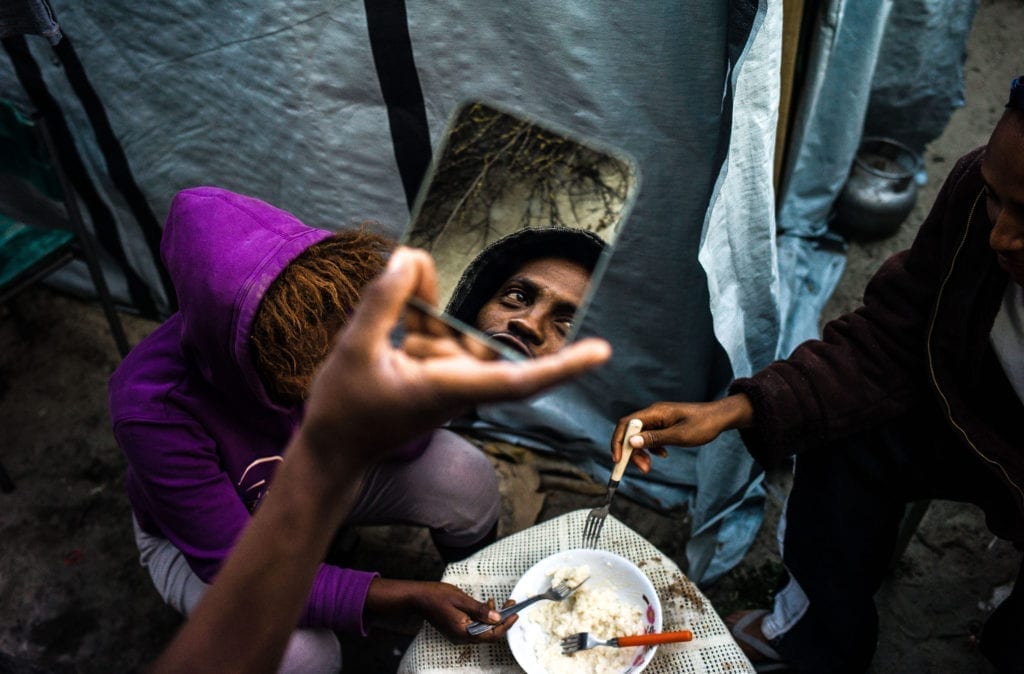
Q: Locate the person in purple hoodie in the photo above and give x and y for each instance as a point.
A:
(204, 407)
(368, 392)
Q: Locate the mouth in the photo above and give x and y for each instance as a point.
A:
(1008, 264)
(512, 342)
(1014, 266)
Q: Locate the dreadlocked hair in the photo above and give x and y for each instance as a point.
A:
(307, 304)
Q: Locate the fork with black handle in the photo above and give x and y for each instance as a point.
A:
(583, 641)
(595, 520)
(556, 593)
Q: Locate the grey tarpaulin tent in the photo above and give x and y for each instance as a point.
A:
(331, 109)
(886, 68)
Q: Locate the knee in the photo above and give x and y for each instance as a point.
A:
(473, 467)
(466, 472)
(464, 481)
(312, 651)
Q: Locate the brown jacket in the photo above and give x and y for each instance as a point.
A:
(920, 339)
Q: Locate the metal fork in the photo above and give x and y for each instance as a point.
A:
(595, 520)
(583, 641)
(556, 593)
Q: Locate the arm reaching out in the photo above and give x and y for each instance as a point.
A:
(680, 424)
(367, 399)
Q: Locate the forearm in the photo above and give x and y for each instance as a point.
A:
(265, 582)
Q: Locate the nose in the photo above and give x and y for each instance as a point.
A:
(526, 325)
(1008, 232)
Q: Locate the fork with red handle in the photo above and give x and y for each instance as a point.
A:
(583, 641)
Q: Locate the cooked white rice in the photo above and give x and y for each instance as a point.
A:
(592, 609)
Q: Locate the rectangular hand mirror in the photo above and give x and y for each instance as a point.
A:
(520, 218)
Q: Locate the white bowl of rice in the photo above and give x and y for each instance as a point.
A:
(617, 600)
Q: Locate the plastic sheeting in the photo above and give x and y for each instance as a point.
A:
(874, 67)
(735, 244)
(282, 100)
(919, 78)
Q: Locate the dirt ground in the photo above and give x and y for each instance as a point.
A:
(73, 597)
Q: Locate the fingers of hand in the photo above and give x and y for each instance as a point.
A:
(642, 460)
(478, 348)
(504, 626)
(426, 346)
(420, 320)
(498, 380)
(529, 377)
(384, 299)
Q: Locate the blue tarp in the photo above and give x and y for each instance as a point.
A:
(283, 100)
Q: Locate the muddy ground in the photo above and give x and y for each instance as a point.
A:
(74, 599)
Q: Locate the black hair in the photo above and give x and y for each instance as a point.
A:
(1016, 94)
(499, 260)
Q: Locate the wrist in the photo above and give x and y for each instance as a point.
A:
(330, 479)
(737, 411)
(389, 599)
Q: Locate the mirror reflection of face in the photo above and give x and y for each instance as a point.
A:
(533, 310)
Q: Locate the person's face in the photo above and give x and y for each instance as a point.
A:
(533, 310)
(1003, 171)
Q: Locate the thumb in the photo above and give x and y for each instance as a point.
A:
(644, 439)
(483, 612)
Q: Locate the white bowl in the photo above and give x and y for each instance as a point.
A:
(607, 570)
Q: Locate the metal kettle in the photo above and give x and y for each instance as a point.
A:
(880, 192)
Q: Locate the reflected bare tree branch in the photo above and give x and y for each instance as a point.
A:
(500, 172)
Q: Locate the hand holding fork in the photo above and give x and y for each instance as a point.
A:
(556, 593)
(595, 520)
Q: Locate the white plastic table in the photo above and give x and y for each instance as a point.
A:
(494, 571)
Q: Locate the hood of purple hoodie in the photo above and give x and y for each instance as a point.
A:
(223, 250)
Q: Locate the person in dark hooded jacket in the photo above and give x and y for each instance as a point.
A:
(916, 395)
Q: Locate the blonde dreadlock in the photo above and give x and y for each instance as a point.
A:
(307, 304)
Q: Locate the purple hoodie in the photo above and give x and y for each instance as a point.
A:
(201, 436)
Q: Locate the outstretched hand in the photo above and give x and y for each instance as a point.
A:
(379, 397)
(681, 425)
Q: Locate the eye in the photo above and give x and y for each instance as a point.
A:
(990, 195)
(514, 296)
(563, 324)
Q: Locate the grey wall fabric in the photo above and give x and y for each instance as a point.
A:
(875, 67)
(283, 101)
(288, 101)
(706, 199)
(919, 79)
(826, 133)
(830, 115)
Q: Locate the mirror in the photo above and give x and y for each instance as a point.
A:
(521, 219)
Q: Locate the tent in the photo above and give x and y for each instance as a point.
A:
(331, 110)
